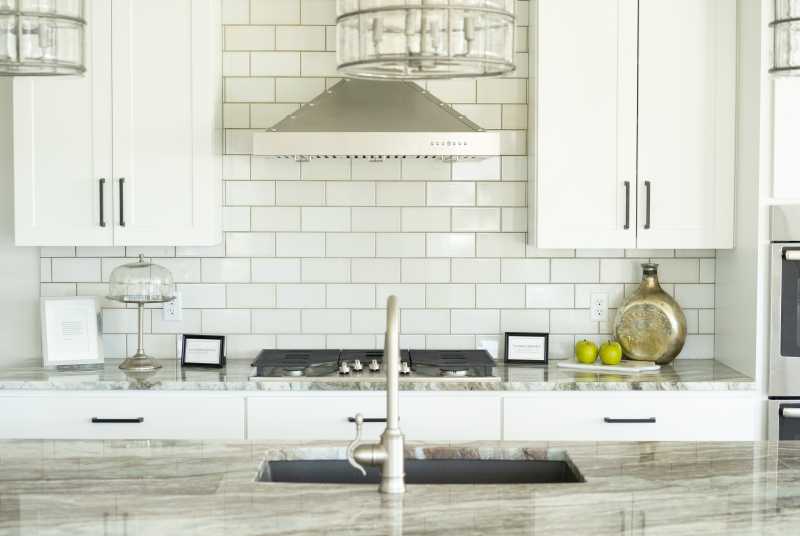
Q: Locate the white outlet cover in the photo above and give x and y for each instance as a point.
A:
(598, 307)
(173, 311)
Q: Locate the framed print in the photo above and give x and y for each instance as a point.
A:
(71, 332)
(203, 351)
(529, 348)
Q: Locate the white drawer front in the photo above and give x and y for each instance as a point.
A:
(653, 418)
(147, 417)
(428, 418)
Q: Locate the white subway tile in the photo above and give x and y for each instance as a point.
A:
(199, 251)
(236, 115)
(407, 295)
(276, 321)
(377, 170)
(249, 89)
(98, 290)
(275, 11)
(300, 38)
(475, 270)
(224, 321)
(570, 321)
(708, 270)
(183, 270)
(239, 141)
(514, 117)
(425, 169)
(350, 194)
(325, 321)
(376, 219)
(542, 296)
(652, 253)
(326, 270)
(350, 244)
(421, 219)
(695, 296)
(450, 342)
(300, 244)
(298, 89)
(55, 290)
(326, 169)
(265, 168)
(521, 37)
(301, 342)
(476, 219)
(190, 323)
(422, 321)
(339, 341)
(471, 170)
(276, 218)
(696, 253)
(487, 116)
(45, 270)
(319, 64)
(400, 245)
(500, 244)
(521, 320)
(368, 320)
(679, 270)
(514, 168)
(299, 193)
(474, 321)
(236, 12)
(249, 38)
(125, 320)
(574, 271)
(275, 63)
(561, 346)
(248, 193)
(595, 253)
(306, 295)
(76, 270)
(502, 194)
(247, 346)
(498, 296)
(451, 245)
(548, 253)
(265, 115)
(318, 12)
(108, 265)
(95, 251)
(614, 292)
(332, 219)
(202, 296)
(252, 295)
(339, 295)
(400, 193)
(706, 321)
(375, 270)
(250, 244)
(692, 321)
(235, 64)
(525, 270)
(236, 218)
(58, 251)
(457, 90)
(160, 346)
(620, 270)
(451, 194)
(225, 270)
(502, 90)
(425, 270)
(698, 347)
(447, 296)
(276, 270)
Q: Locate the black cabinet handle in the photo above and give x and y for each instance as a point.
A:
(373, 419)
(649, 420)
(102, 204)
(648, 189)
(122, 202)
(627, 205)
(100, 420)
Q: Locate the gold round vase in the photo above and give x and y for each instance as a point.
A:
(650, 325)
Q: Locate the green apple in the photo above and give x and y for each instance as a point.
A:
(611, 353)
(586, 352)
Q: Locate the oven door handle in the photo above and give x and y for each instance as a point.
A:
(791, 255)
(790, 413)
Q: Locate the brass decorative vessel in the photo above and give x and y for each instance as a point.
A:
(650, 325)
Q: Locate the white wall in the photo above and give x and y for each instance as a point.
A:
(19, 267)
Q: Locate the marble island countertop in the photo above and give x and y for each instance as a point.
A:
(142, 488)
(681, 375)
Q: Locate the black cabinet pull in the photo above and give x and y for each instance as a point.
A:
(627, 205)
(648, 188)
(373, 419)
(102, 204)
(122, 202)
(649, 420)
(100, 420)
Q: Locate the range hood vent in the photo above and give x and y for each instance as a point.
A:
(376, 120)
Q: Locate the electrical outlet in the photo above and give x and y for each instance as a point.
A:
(598, 306)
(173, 311)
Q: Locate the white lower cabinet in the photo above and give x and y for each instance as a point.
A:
(124, 416)
(443, 417)
(632, 416)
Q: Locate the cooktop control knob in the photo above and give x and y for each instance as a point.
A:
(344, 368)
(374, 366)
(405, 370)
(357, 366)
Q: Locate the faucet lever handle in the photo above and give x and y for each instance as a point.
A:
(359, 420)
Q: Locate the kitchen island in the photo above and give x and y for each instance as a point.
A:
(189, 487)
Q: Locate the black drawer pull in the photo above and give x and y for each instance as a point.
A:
(373, 419)
(649, 420)
(100, 420)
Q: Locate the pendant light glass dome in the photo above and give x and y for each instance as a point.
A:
(41, 37)
(785, 28)
(421, 39)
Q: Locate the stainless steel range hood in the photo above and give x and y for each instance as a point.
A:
(374, 119)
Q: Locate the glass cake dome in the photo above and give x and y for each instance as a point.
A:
(141, 282)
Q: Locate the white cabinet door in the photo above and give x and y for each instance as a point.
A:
(687, 85)
(62, 148)
(167, 136)
(585, 146)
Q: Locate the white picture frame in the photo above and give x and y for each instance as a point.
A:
(71, 331)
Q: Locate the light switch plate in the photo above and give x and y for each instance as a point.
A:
(598, 307)
(173, 311)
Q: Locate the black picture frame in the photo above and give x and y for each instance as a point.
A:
(221, 357)
(533, 361)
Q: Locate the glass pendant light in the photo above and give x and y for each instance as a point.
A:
(419, 39)
(41, 37)
(785, 28)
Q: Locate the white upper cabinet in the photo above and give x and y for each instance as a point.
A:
(605, 68)
(146, 118)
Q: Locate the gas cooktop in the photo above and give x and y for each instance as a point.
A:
(366, 364)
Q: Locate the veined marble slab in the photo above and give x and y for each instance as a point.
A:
(686, 375)
(142, 488)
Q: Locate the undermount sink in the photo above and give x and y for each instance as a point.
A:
(430, 471)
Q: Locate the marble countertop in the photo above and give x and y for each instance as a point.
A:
(141, 488)
(681, 375)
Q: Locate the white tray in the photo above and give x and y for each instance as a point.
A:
(626, 367)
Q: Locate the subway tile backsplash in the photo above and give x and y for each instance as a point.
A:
(312, 250)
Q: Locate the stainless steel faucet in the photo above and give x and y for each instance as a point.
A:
(388, 453)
